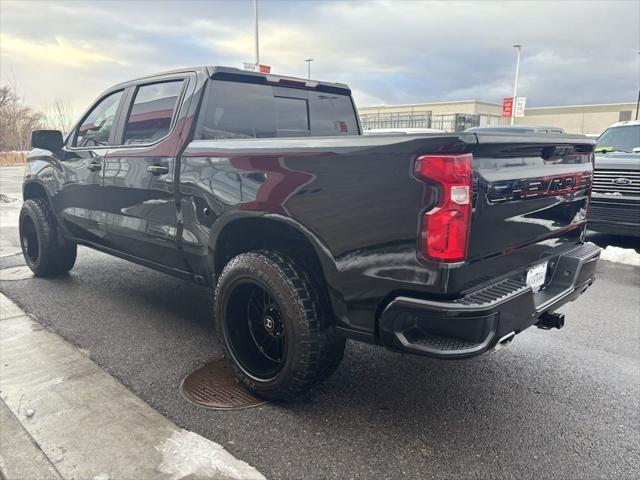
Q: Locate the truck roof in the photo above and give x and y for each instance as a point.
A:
(626, 123)
(237, 74)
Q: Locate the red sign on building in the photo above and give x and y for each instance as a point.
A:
(507, 107)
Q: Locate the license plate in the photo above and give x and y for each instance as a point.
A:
(536, 276)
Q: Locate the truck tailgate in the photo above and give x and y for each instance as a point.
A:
(527, 189)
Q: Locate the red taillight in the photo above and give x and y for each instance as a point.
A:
(445, 228)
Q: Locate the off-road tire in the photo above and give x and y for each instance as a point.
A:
(51, 255)
(332, 353)
(313, 349)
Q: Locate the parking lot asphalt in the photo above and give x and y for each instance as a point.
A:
(554, 404)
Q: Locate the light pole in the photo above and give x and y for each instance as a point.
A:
(638, 102)
(515, 83)
(255, 16)
(309, 60)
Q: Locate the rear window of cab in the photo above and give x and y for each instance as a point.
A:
(247, 110)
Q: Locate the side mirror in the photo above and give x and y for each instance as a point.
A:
(47, 139)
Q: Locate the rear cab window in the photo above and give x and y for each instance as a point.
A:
(152, 111)
(248, 110)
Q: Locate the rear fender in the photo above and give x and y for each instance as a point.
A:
(325, 258)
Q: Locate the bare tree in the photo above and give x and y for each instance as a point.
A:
(16, 121)
(7, 96)
(59, 116)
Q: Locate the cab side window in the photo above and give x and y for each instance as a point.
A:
(95, 129)
(152, 111)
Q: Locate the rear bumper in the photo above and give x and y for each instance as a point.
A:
(474, 324)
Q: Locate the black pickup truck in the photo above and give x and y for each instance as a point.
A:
(263, 188)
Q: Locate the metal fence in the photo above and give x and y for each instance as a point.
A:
(395, 120)
(449, 122)
(455, 122)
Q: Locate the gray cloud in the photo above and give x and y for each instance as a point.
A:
(389, 52)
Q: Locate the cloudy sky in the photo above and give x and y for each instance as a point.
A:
(388, 51)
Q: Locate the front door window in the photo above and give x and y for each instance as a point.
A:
(95, 129)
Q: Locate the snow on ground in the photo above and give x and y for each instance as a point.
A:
(621, 255)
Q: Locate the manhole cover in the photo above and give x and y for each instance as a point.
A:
(21, 272)
(213, 386)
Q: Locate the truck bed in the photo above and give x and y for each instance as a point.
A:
(357, 199)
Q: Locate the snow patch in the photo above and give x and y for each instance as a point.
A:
(621, 255)
(188, 455)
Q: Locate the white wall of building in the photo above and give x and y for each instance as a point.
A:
(583, 119)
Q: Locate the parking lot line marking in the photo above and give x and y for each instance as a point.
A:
(86, 422)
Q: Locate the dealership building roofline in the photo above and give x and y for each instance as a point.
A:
(493, 104)
(409, 105)
(457, 115)
(589, 105)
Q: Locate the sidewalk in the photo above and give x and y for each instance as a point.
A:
(10, 204)
(62, 416)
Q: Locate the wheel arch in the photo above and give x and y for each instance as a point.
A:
(35, 189)
(247, 231)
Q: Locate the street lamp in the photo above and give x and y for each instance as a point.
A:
(309, 60)
(638, 102)
(255, 17)
(515, 83)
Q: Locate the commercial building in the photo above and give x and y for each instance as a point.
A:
(458, 115)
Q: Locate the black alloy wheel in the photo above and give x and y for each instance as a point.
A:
(276, 331)
(29, 240)
(45, 251)
(255, 329)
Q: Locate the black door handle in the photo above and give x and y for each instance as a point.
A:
(94, 166)
(158, 169)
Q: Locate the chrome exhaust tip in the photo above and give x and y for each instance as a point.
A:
(504, 341)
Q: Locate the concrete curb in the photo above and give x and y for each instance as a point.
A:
(85, 423)
(20, 456)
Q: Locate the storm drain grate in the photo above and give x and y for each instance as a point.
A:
(214, 386)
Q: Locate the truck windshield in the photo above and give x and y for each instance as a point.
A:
(246, 110)
(619, 139)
